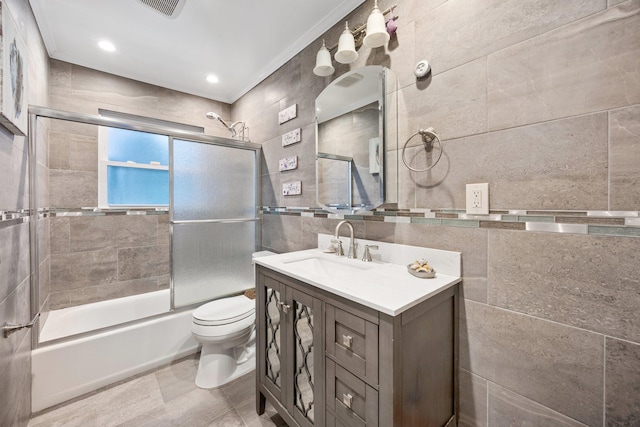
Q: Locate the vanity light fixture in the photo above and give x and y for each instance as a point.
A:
(323, 66)
(346, 53)
(106, 45)
(376, 29)
(374, 33)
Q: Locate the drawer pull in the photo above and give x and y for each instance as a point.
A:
(347, 399)
(285, 308)
(347, 341)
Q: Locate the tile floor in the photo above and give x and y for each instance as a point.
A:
(166, 397)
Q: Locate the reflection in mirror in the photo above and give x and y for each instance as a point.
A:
(355, 135)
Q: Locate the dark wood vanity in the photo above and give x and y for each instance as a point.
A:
(323, 360)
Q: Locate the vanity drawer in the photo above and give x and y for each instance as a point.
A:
(353, 342)
(352, 402)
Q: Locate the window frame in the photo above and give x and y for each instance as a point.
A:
(104, 163)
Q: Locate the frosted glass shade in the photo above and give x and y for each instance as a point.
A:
(376, 30)
(323, 66)
(346, 53)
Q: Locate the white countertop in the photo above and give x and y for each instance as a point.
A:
(382, 286)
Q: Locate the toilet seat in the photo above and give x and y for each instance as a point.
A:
(224, 311)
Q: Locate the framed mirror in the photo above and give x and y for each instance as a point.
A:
(356, 141)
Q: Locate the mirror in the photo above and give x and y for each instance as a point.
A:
(356, 141)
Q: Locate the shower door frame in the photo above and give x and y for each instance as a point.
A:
(36, 112)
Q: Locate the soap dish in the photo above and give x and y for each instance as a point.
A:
(421, 274)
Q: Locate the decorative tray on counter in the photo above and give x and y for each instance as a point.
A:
(421, 269)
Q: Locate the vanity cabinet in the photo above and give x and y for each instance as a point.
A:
(289, 349)
(363, 367)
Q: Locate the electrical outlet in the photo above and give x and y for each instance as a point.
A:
(478, 199)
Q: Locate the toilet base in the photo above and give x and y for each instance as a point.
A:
(219, 366)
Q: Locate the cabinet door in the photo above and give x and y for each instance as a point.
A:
(271, 333)
(305, 350)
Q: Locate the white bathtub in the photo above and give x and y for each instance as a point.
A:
(71, 368)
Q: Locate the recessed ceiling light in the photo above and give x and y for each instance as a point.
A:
(212, 79)
(106, 45)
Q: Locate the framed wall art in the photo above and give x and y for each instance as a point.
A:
(13, 91)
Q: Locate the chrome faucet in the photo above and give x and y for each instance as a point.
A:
(352, 248)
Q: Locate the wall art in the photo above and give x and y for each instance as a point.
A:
(13, 92)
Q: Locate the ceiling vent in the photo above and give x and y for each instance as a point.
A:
(169, 8)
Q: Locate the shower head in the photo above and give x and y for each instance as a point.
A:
(232, 127)
(214, 116)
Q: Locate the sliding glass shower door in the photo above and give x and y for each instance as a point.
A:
(213, 220)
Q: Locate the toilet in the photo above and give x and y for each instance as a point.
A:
(226, 330)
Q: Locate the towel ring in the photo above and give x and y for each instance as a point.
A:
(430, 135)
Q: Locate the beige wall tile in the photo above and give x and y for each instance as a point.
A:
(587, 66)
(163, 228)
(622, 383)
(558, 366)
(584, 281)
(454, 103)
(14, 191)
(624, 130)
(142, 262)
(473, 400)
(59, 229)
(112, 290)
(510, 409)
(73, 189)
(14, 267)
(560, 164)
(81, 269)
(460, 31)
(90, 233)
(282, 233)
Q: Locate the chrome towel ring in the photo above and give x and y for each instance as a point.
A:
(428, 135)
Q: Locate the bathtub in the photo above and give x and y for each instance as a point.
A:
(63, 369)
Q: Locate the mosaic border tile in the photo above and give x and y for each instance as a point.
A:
(10, 218)
(602, 223)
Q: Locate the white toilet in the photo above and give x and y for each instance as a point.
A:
(226, 330)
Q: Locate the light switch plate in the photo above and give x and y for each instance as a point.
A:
(478, 199)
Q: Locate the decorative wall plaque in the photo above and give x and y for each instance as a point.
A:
(293, 188)
(291, 137)
(288, 114)
(289, 163)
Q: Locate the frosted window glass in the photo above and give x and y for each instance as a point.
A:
(140, 147)
(213, 182)
(212, 260)
(134, 186)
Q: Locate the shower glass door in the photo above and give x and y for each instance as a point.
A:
(213, 220)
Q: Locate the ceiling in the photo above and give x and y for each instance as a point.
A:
(239, 41)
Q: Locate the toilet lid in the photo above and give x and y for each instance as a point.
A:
(225, 311)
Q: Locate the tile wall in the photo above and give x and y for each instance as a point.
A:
(15, 351)
(541, 99)
(102, 255)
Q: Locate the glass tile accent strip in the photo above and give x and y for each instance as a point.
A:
(303, 383)
(273, 336)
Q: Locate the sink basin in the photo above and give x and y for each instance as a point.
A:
(326, 266)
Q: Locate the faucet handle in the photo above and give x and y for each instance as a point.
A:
(339, 250)
(367, 254)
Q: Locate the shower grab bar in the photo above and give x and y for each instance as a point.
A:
(10, 328)
(219, 221)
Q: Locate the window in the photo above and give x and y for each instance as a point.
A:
(133, 168)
